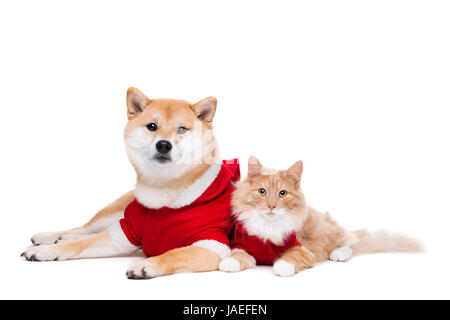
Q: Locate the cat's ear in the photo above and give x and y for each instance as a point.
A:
(295, 172)
(136, 102)
(254, 167)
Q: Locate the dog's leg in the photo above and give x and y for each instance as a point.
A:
(102, 220)
(94, 246)
(187, 259)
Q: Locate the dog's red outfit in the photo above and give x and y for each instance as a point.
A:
(207, 218)
(264, 252)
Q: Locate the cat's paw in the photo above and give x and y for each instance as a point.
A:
(229, 264)
(283, 268)
(44, 238)
(341, 254)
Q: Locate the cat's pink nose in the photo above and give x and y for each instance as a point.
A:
(271, 206)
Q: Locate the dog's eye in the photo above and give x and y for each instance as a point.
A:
(262, 191)
(152, 126)
(182, 130)
(282, 193)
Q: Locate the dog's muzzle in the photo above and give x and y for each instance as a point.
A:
(163, 147)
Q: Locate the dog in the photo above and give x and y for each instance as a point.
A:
(178, 213)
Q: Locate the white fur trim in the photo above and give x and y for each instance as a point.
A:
(240, 250)
(223, 251)
(119, 239)
(156, 197)
(195, 190)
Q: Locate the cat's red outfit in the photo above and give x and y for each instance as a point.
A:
(207, 218)
(264, 252)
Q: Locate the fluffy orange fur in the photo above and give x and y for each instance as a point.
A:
(321, 237)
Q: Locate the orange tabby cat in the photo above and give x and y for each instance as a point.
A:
(274, 225)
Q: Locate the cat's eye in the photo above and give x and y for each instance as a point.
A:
(262, 191)
(152, 126)
(182, 130)
(282, 193)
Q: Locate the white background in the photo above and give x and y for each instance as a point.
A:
(357, 89)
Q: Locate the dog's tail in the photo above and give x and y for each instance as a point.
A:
(383, 241)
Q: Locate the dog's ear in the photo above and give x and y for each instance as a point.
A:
(136, 102)
(254, 167)
(205, 109)
(295, 172)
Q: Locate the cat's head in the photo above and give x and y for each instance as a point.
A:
(269, 202)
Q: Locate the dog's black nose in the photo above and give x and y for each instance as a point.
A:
(163, 146)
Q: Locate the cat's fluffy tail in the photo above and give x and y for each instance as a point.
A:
(383, 241)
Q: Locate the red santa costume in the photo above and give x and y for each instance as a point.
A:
(264, 252)
(204, 222)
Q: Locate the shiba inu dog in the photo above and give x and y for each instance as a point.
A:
(179, 211)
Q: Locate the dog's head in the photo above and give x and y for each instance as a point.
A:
(167, 138)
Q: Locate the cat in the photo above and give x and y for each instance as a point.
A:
(275, 226)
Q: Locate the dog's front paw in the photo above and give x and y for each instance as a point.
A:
(42, 253)
(51, 252)
(229, 264)
(283, 268)
(144, 269)
(44, 238)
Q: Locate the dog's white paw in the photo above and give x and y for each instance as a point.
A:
(46, 253)
(144, 269)
(341, 254)
(45, 238)
(283, 268)
(229, 264)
